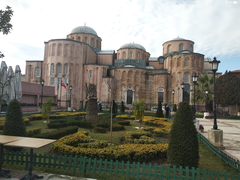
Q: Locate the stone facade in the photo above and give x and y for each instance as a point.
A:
(78, 60)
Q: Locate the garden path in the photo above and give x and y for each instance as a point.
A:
(231, 134)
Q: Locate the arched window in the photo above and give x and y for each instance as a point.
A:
(59, 69)
(124, 55)
(160, 94)
(137, 55)
(169, 48)
(38, 72)
(191, 48)
(131, 55)
(181, 47)
(52, 68)
(73, 38)
(85, 40)
(79, 39)
(96, 43)
(66, 68)
(92, 42)
(186, 78)
(118, 55)
(90, 74)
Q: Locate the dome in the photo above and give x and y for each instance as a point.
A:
(84, 29)
(132, 46)
(179, 39)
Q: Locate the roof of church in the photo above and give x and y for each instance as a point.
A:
(84, 29)
(179, 39)
(132, 46)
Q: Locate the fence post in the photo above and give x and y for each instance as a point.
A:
(84, 166)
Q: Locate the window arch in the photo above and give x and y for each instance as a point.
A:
(186, 62)
(169, 48)
(131, 55)
(181, 47)
(137, 55)
(90, 74)
(38, 72)
(85, 40)
(92, 42)
(160, 90)
(59, 69)
(52, 68)
(59, 50)
(191, 48)
(124, 55)
(79, 39)
(66, 68)
(186, 78)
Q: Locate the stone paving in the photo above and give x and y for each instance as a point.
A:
(231, 134)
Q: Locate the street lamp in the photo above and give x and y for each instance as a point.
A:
(182, 86)
(206, 98)
(70, 95)
(194, 78)
(214, 70)
(173, 91)
(66, 94)
(42, 82)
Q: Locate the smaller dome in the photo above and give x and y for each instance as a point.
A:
(132, 46)
(178, 39)
(84, 29)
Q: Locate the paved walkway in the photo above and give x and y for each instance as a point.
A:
(231, 134)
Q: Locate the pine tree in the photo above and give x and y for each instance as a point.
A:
(14, 123)
(159, 112)
(122, 107)
(183, 144)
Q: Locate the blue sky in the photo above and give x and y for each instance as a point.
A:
(213, 25)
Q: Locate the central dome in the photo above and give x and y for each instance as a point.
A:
(132, 46)
(84, 29)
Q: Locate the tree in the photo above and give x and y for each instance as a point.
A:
(183, 143)
(14, 124)
(47, 108)
(159, 112)
(204, 83)
(227, 90)
(122, 108)
(5, 18)
(138, 109)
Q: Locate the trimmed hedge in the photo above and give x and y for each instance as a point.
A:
(86, 124)
(125, 117)
(58, 133)
(104, 125)
(117, 127)
(99, 130)
(125, 152)
(124, 123)
(33, 132)
(56, 125)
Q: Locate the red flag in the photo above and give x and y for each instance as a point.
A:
(62, 84)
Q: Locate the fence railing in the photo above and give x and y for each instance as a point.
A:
(223, 156)
(135, 170)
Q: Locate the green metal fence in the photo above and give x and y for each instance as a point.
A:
(135, 170)
(223, 156)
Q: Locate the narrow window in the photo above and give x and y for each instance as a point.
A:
(52, 68)
(186, 78)
(52, 82)
(96, 43)
(85, 39)
(92, 42)
(169, 48)
(38, 72)
(79, 39)
(59, 69)
(181, 47)
(66, 68)
(191, 48)
(137, 55)
(66, 81)
(124, 55)
(90, 74)
(131, 55)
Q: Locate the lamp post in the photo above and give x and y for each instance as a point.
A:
(206, 98)
(70, 95)
(194, 78)
(182, 86)
(173, 91)
(214, 70)
(66, 94)
(42, 82)
(121, 92)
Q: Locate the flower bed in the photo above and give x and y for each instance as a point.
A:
(125, 152)
(125, 117)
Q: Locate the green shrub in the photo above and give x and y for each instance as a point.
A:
(104, 125)
(58, 133)
(117, 127)
(175, 108)
(159, 132)
(150, 129)
(56, 125)
(96, 144)
(124, 123)
(14, 124)
(159, 112)
(122, 108)
(183, 143)
(144, 140)
(33, 132)
(58, 121)
(99, 130)
(86, 124)
(72, 122)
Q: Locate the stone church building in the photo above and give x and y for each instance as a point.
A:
(130, 71)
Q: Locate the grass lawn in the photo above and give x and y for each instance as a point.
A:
(207, 159)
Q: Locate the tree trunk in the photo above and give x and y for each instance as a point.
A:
(1, 101)
(111, 124)
(140, 121)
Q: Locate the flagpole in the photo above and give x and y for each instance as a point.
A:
(60, 93)
(57, 91)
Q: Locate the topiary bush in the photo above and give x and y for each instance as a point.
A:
(159, 112)
(124, 123)
(122, 108)
(117, 127)
(183, 143)
(14, 124)
(175, 108)
(99, 130)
